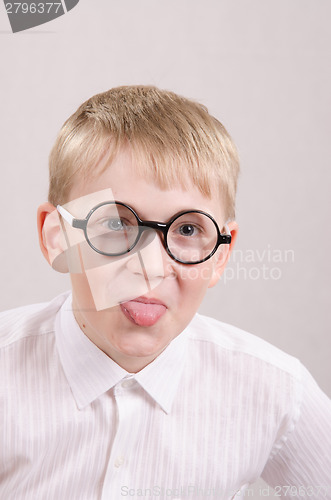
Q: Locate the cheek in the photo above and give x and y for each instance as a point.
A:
(88, 317)
(81, 291)
(194, 280)
(197, 275)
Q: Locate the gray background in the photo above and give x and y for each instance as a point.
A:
(263, 68)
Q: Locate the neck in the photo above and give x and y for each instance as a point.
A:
(130, 363)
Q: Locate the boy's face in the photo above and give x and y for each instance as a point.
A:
(133, 332)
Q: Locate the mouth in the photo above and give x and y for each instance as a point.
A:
(143, 311)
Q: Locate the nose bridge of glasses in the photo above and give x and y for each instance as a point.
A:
(159, 227)
(153, 224)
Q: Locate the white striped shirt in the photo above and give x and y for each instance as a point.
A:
(215, 411)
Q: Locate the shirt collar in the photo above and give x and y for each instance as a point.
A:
(161, 378)
(91, 373)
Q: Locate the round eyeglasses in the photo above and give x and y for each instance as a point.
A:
(113, 228)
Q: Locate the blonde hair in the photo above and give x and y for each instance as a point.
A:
(170, 137)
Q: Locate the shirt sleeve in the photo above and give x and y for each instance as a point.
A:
(302, 466)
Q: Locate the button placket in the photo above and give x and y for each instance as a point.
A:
(128, 399)
(119, 461)
(127, 383)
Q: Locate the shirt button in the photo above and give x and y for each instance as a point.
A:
(127, 383)
(119, 461)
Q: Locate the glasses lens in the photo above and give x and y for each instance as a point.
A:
(192, 237)
(112, 229)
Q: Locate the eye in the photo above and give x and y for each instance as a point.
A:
(186, 230)
(114, 224)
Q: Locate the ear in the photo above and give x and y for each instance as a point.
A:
(51, 238)
(223, 259)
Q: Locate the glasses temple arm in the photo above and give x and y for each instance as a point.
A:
(65, 214)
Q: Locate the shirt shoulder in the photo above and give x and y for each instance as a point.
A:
(222, 336)
(31, 320)
(247, 365)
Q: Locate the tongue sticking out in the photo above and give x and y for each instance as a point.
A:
(143, 314)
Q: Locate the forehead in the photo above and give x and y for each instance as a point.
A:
(125, 181)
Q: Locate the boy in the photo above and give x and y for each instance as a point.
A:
(120, 389)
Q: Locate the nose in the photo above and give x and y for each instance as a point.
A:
(150, 258)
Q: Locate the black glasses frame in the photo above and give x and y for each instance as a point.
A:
(143, 225)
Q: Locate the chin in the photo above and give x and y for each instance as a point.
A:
(141, 348)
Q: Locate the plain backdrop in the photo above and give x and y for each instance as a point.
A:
(262, 68)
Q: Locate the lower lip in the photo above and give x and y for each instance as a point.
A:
(142, 314)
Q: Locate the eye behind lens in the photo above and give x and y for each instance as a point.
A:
(112, 229)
